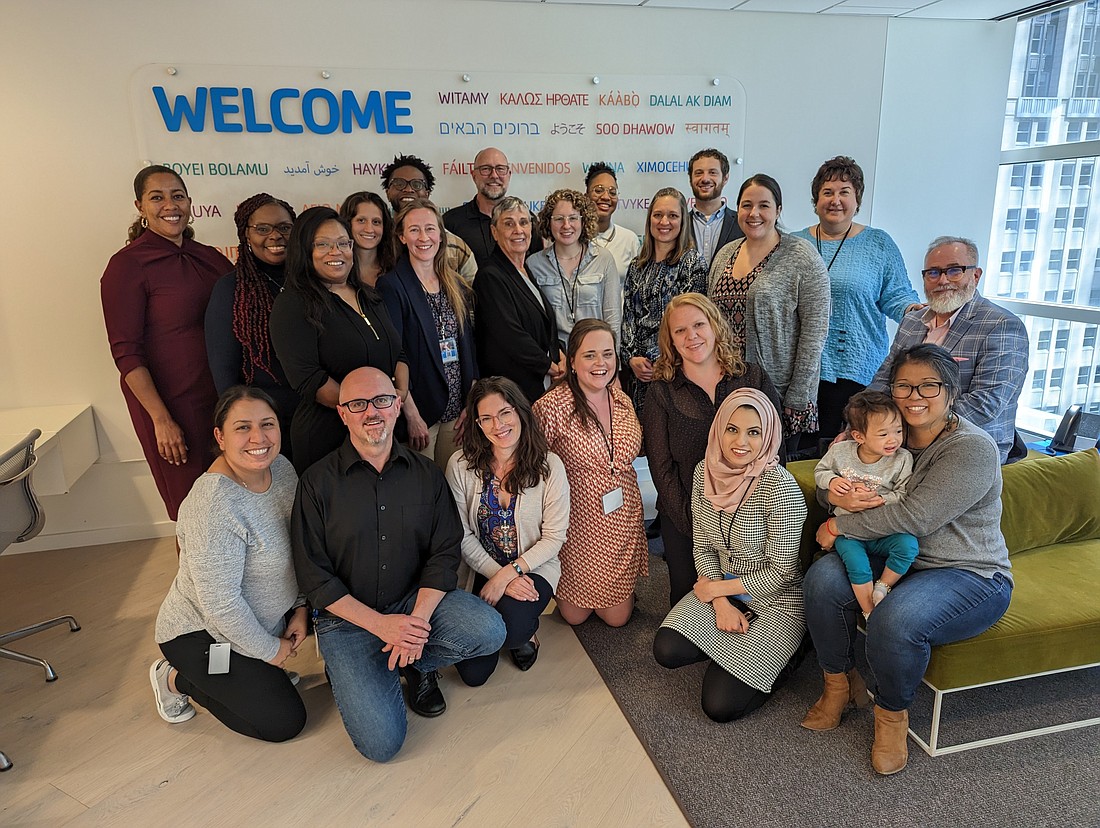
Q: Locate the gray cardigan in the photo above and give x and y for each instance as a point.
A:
(952, 506)
(236, 578)
(542, 519)
(787, 316)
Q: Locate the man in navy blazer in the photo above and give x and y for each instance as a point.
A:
(713, 224)
(988, 342)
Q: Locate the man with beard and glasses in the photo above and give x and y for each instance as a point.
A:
(988, 342)
(377, 539)
(472, 220)
(713, 224)
(408, 179)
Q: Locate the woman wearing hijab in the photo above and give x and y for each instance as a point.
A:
(745, 612)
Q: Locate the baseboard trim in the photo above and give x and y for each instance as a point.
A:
(94, 537)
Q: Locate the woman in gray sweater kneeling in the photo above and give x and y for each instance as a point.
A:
(958, 586)
(233, 615)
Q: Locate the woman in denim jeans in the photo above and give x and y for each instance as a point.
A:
(958, 586)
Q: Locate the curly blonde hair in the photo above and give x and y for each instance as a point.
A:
(581, 202)
(664, 368)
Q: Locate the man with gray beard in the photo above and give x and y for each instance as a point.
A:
(988, 342)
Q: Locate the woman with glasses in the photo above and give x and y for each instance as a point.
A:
(590, 423)
(325, 325)
(513, 497)
(867, 282)
(514, 329)
(372, 233)
(155, 291)
(431, 308)
(238, 341)
(602, 189)
(578, 278)
(959, 584)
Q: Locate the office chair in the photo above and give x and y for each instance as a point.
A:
(21, 518)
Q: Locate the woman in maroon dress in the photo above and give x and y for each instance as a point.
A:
(155, 291)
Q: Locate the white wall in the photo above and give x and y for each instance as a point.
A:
(918, 103)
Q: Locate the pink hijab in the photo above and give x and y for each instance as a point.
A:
(725, 487)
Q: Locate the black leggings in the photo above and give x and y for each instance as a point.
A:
(725, 697)
(254, 698)
(681, 562)
(521, 619)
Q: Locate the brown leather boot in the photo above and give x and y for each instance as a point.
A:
(827, 710)
(890, 751)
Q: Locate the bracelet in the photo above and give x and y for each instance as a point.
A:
(882, 586)
(830, 531)
(517, 567)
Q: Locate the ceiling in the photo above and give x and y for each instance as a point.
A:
(939, 9)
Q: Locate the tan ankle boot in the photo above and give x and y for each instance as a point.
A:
(890, 751)
(827, 710)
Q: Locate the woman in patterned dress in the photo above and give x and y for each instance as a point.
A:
(745, 613)
(513, 496)
(431, 308)
(773, 289)
(590, 424)
(668, 265)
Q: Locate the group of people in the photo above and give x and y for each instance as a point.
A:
(462, 440)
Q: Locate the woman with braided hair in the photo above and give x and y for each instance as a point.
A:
(238, 344)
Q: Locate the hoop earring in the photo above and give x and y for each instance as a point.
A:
(144, 222)
(191, 220)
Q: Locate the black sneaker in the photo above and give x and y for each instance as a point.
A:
(423, 694)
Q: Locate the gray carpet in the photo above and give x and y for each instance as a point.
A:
(765, 770)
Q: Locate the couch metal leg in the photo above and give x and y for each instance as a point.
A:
(5, 762)
(23, 632)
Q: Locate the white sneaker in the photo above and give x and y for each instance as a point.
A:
(172, 707)
(294, 677)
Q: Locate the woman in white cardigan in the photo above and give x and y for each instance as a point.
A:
(513, 497)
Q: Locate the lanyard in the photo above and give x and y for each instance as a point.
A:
(817, 238)
(609, 444)
(727, 534)
(571, 301)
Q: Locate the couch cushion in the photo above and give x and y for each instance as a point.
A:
(1052, 622)
(1051, 500)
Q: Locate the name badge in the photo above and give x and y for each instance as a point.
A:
(613, 500)
(448, 349)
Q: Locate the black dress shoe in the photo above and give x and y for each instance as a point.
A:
(653, 528)
(525, 655)
(423, 694)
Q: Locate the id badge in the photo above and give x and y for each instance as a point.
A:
(613, 500)
(448, 349)
(219, 659)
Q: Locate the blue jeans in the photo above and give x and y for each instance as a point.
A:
(368, 693)
(900, 551)
(928, 607)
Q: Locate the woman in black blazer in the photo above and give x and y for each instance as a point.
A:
(431, 308)
(515, 330)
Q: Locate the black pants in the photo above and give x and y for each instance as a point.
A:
(681, 562)
(725, 697)
(521, 619)
(254, 698)
(831, 399)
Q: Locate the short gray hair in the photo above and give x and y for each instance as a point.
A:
(506, 205)
(943, 241)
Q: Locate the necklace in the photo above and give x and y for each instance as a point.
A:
(359, 308)
(817, 238)
(570, 293)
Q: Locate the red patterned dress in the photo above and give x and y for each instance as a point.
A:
(605, 554)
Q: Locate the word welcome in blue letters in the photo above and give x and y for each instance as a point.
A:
(287, 110)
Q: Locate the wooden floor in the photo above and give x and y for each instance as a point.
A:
(547, 747)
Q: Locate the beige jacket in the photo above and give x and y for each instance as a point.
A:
(542, 519)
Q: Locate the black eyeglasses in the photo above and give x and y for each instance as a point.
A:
(485, 170)
(417, 185)
(267, 229)
(954, 273)
(926, 390)
(379, 402)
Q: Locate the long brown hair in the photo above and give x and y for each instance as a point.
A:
(386, 257)
(729, 359)
(684, 242)
(530, 464)
(455, 288)
(581, 329)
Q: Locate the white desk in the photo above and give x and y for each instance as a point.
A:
(67, 448)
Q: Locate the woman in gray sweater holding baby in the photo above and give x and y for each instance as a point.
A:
(959, 585)
(233, 615)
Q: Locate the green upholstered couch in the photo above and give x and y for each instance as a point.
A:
(1051, 524)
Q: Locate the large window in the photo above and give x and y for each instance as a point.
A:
(1044, 233)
